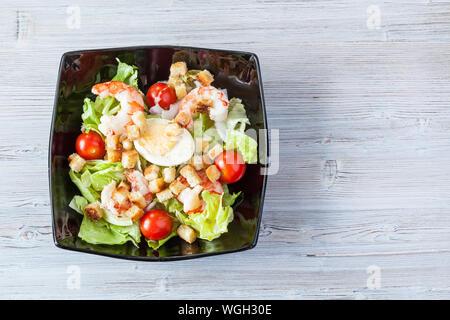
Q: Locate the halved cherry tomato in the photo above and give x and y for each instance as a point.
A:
(156, 224)
(90, 146)
(162, 94)
(232, 166)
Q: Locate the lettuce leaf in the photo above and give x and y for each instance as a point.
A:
(102, 232)
(236, 115)
(78, 203)
(247, 146)
(213, 221)
(127, 74)
(228, 198)
(95, 175)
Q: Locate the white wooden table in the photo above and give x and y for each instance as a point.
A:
(360, 91)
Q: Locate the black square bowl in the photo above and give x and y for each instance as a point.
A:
(238, 72)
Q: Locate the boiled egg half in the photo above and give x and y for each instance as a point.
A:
(164, 143)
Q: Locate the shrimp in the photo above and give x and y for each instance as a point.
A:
(139, 183)
(130, 100)
(203, 99)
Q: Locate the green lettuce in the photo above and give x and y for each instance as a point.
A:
(127, 74)
(228, 198)
(236, 139)
(247, 146)
(213, 221)
(236, 115)
(102, 232)
(94, 176)
(78, 204)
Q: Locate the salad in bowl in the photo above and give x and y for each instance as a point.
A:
(150, 166)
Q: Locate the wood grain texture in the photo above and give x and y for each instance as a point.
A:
(364, 119)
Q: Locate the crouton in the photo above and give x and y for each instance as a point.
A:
(182, 119)
(201, 145)
(93, 211)
(173, 130)
(187, 233)
(133, 132)
(129, 158)
(215, 151)
(76, 163)
(135, 213)
(180, 91)
(169, 174)
(112, 142)
(139, 120)
(207, 160)
(127, 144)
(156, 185)
(178, 69)
(205, 78)
(113, 155)
(164, 195)
(197, 162)
(191, 175)
(151, 172)
(120, 195)
(138, 199)
(177, 186)
(213, 173)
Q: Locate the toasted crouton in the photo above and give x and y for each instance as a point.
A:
(76, 163)
(139, 120)
(133, 132)
(169, 174)
(207, 160)
(127, 144)
(197, 162)
(151, 172)
(215, 151)
(180, 90)
(156, 185)
(187, 233)
(213, 173)
(93, 211)
(138, 199)
(120, 195)
(112, 142)
(135, 213)
(191, 175)
(178, 69)
(177, 186)
(113, 155)
(164, 195)
(205, 78)
(129, 158)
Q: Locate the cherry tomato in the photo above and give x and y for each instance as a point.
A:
(156, 224)
(232, 166)
(161, 93)
(90, 146)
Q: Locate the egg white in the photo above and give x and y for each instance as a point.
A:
(181, 152)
